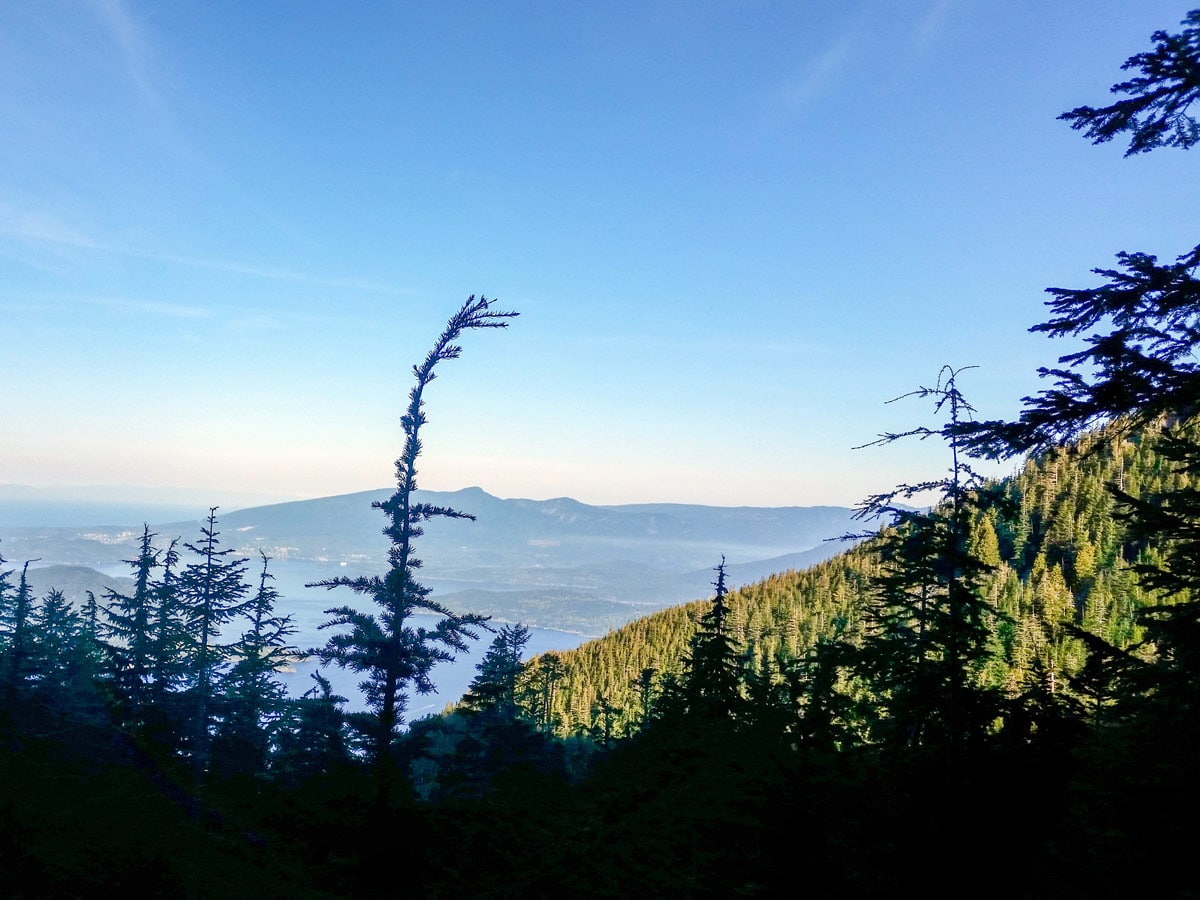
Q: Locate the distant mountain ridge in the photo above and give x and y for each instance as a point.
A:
(580, 567)
(560, 528)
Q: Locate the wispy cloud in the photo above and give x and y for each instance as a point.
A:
(24, 302)
(39, 227)
(931, 25)
(814, 80)
(36, 227)
(148, 307)
(134, 49)
(826, 70)
(260, 323)
(39, 240)
(271, 272)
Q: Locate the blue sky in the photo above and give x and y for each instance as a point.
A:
(733, 230)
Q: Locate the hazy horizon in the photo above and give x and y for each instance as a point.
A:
(20, 504)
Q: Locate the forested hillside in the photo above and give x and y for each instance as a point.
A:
(1062, 560)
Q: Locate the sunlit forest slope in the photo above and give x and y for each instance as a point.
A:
(1063, 560)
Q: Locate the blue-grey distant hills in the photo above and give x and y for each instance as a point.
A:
(551, 563)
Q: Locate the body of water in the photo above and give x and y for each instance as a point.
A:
(307, 608)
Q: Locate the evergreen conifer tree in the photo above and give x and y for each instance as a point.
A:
(1155, 111)
(928, 629)
(1139, 369)
(8, 593)
(644, 685)
(129, 624)
(712, 672)
(16, 630)
(538, 689)
(1139, 366)
(252, 699)
(1142, 325)
(494, 688)
(170, 640)
(392, 652)
(604, 719)
(313, 740)
(94, 647)
(212, 592)
(825, 715)
(55, 658)
(7, 590)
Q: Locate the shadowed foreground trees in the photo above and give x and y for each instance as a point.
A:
(212, 591)
(494, 688)
(253, 701)
(712, 673)
(929, 626)
(1138, 369)
(128, 626)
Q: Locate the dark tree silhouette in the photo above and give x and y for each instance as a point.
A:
(392, 652)
(55, 660)
(538, 688)
(711, 683)
(129, 624)
(1138, 373)
(1140, 366)
(1142, 327)
(1155, 112)
(8, 594)
(314, 739)
(93, 647)
(252, 699)
(927, 634)
(644, 684)
(6, 585)
(494, 688)
(169, 642)
(17, 631)
(212, 592)
(604, 720)
(825, 716)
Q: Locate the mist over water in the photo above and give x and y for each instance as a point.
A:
(307, 605)
(451, 678)
(307, 608)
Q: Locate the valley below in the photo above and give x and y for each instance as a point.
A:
(567, 570)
